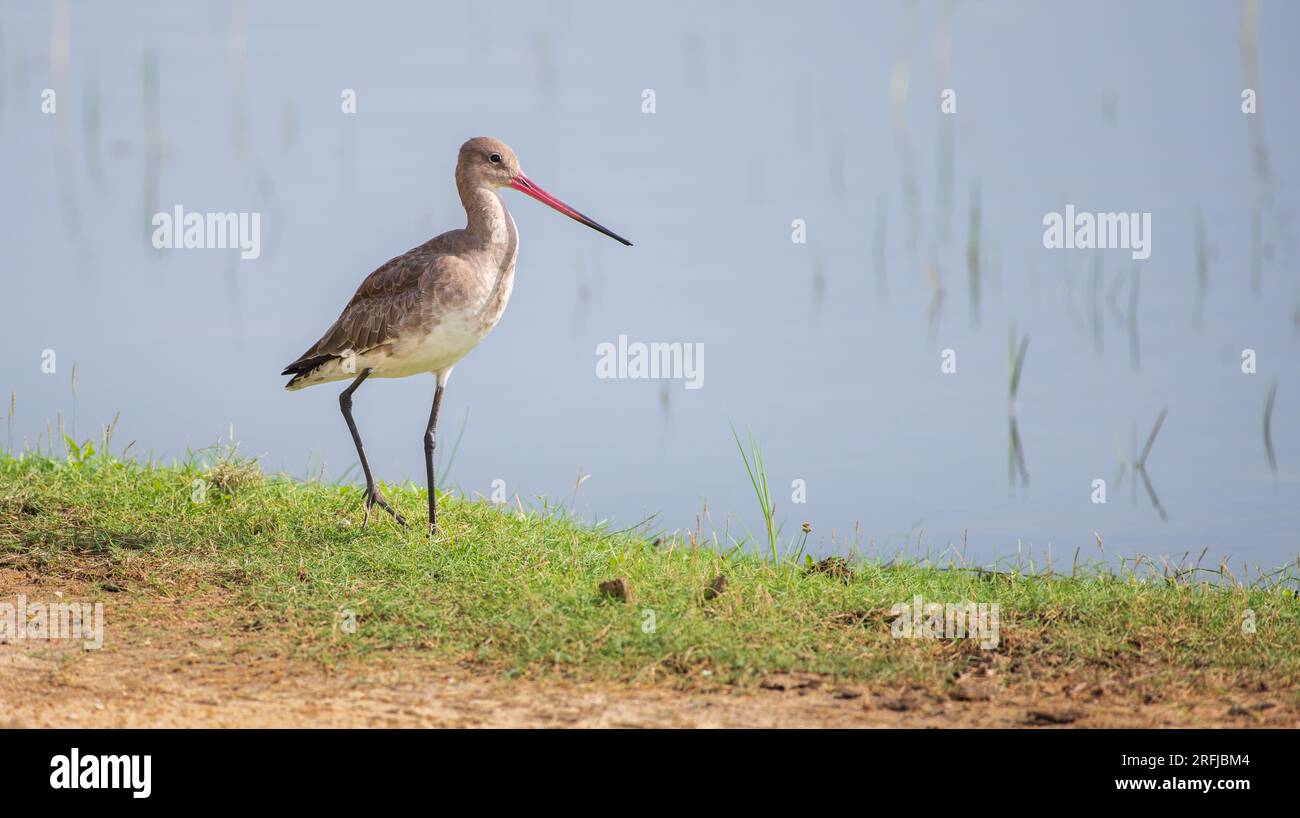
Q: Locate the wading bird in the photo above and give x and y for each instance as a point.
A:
(426, 309)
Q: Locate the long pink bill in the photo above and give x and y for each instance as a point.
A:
(523, 184)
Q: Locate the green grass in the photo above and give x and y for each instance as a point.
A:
(518, 592)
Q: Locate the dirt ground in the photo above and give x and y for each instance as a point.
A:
(163, 666)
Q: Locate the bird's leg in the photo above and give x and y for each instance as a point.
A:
(428, 459)
(372, 493)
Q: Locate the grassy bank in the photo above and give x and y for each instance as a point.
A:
(519, 594)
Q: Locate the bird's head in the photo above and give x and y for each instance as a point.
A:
(488, 162)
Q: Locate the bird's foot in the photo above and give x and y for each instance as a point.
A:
(373, 498)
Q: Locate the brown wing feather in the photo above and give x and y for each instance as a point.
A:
(387, 296)
(430, 278)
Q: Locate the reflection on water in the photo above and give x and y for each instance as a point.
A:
(153, 141)
(826, 349)
(1268, 425)
(1140, 466)
(1016, 452)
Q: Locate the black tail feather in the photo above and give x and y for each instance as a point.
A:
(303, 367)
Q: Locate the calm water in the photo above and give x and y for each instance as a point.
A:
(829, 350)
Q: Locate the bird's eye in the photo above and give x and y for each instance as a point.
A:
(495, 158)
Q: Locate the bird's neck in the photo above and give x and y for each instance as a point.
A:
(488, 220)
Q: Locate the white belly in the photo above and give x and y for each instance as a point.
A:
(435, 351)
